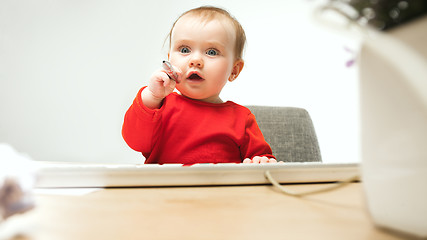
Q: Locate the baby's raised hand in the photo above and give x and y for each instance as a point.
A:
(258, 159)
(160, 85)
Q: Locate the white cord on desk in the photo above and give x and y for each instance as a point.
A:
(300, 194)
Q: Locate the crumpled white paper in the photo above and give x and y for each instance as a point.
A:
(17, 179)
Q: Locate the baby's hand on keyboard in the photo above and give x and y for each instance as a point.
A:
(260, 160)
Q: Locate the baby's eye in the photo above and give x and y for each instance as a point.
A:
(212, 52)
(184, 50)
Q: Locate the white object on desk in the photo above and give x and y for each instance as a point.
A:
(98, 175)
(393, 75)
(17, 177)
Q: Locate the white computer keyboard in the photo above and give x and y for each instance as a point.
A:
(133, 175)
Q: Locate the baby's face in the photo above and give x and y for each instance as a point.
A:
(204, 52)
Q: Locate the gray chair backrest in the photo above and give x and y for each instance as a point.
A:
(290, 133)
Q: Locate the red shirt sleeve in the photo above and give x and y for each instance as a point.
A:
(254, 143)
(140, 125)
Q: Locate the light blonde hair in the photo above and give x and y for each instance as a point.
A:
(209, 13)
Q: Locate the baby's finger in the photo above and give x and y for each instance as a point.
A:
(256, 159)
(263, 160)
(160, 77)
(272, 160)
(247, 160)
(171, 85)
(166, 80)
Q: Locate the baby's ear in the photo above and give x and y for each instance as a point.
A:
(237, 68)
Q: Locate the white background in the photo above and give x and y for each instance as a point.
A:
(70, 69)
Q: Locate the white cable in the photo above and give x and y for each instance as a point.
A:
(300, 194)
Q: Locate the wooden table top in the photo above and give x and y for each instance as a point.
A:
(221, 212)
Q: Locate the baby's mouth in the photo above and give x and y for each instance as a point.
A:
(195, 77)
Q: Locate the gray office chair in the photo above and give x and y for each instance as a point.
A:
(290, 133)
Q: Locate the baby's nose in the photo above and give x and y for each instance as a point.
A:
(196, 61)
(196, 64)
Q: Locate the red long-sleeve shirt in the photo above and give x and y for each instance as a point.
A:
(189, 131)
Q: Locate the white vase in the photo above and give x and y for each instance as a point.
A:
(393, 93)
